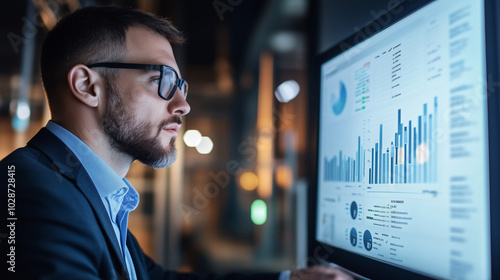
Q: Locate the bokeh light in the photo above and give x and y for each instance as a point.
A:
(287, 91)
(205, 146)
(249, 181)
(258, 212)
(192, 138)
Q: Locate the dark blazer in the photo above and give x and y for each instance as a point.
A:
(62, 229)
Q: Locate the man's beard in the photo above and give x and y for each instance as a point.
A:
(131, 137)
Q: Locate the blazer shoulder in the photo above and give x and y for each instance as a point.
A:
(31, 165)
(23, 154)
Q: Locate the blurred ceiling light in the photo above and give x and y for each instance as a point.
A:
(205, 146)
(23, 111)
(48, 12)
(286, 41)
(20, 121)
(287, 91)
(258, 212)
(192, 138)
(249, 181)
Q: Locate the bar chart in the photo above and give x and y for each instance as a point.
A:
(410, 158)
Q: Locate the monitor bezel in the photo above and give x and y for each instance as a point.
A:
(319, 252)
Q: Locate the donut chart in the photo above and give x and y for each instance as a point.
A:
(339, 99)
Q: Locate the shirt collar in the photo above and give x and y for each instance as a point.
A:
(102, 175)
(123, 200)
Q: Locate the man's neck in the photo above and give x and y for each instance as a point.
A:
(100, 143)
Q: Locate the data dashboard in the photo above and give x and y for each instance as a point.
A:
(403, 144)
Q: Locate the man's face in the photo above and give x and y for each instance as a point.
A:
(139, 122)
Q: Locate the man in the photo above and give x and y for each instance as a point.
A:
(116, 95)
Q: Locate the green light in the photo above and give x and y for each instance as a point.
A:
(258, 212)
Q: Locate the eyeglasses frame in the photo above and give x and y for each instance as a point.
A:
(162, 68)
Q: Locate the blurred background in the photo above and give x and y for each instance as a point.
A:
(236, 198)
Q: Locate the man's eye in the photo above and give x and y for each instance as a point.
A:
(156, 80)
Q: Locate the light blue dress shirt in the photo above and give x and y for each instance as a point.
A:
(117, 195)
(285, 275)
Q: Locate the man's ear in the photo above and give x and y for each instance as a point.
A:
(83, 83)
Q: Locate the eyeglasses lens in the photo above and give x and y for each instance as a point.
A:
(168, 83)
(184, 89)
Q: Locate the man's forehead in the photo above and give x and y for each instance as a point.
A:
(147, 47)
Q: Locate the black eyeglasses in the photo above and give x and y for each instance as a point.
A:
(169, 79)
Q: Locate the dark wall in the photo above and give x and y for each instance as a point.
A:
(338, 19)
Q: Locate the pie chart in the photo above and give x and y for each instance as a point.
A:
(338, 99)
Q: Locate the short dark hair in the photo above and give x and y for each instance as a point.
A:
(91, 35)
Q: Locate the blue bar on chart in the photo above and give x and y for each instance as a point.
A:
(410, 158)
(345, 169)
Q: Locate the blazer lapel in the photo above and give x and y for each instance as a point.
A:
(67, 164)
(84, 183)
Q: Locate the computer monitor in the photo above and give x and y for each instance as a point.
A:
(405, 114)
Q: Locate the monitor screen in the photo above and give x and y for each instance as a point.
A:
(402, 166)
